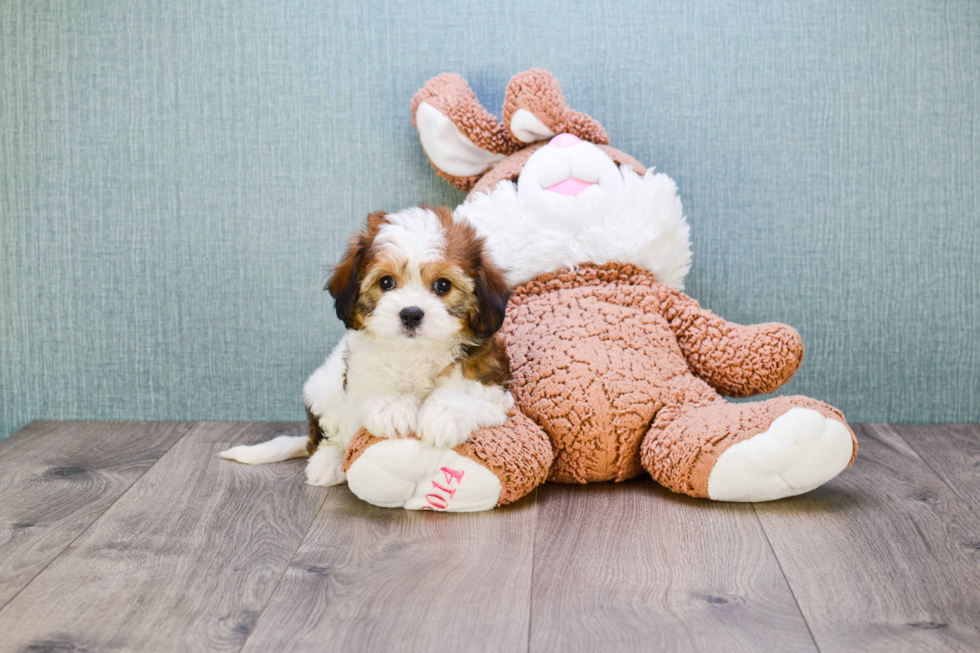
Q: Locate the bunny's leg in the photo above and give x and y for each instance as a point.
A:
(495, 466)
(748, 452)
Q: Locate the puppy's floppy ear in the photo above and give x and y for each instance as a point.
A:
(345, 281)
(492, 293)
(344, 284)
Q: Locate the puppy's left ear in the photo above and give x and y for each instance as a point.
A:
(492, 293)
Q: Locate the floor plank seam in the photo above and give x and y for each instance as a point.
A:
(935, 472)
(534, 553)
(789, 585)
(285, 570)
(67, 546)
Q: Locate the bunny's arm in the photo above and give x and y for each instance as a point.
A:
(736, 360)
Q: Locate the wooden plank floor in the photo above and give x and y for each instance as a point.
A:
(135, 537)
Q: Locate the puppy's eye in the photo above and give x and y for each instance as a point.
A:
(387, 283)
(442, 286)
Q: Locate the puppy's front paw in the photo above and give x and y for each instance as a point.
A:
(391, 416)
(444, 426)
(325, 467)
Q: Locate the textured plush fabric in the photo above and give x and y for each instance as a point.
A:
(592, 368)
(683, 446)
(517, 452)
(452, 96)
(538, 92)
(599, 352)
(175, 176)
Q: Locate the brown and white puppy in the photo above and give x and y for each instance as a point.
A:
(421, 302)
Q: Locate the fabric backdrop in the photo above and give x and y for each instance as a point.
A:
(175, 176)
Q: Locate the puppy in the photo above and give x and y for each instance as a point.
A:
(421, 302)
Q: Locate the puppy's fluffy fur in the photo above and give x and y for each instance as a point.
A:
(421, 302)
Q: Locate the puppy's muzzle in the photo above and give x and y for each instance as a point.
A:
(411, 317)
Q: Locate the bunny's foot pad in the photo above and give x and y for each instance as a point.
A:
(405, 473)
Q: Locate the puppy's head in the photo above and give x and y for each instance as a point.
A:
(417, 276)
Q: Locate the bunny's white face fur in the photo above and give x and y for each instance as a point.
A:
(565, 186)
(607, 213)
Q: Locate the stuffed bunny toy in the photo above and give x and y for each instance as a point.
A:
(616, 372)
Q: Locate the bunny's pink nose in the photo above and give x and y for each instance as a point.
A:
(565, 140)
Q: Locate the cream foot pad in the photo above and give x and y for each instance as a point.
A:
(800, 451)
(405, 473)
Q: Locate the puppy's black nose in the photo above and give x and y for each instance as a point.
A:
(411, 316)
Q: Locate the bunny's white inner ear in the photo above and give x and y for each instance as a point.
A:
(448, 148)
(526, 127)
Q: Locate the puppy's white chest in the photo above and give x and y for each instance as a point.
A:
(374, 369)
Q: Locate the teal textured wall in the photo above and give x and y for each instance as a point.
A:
(176, 174)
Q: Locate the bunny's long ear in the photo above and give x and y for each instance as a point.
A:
(535, 110)
(461, 138)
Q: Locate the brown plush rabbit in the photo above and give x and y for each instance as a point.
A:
(621, 370)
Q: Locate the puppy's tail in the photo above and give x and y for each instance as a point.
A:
(282, 448)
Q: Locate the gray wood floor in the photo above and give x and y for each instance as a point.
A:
(135, 537)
